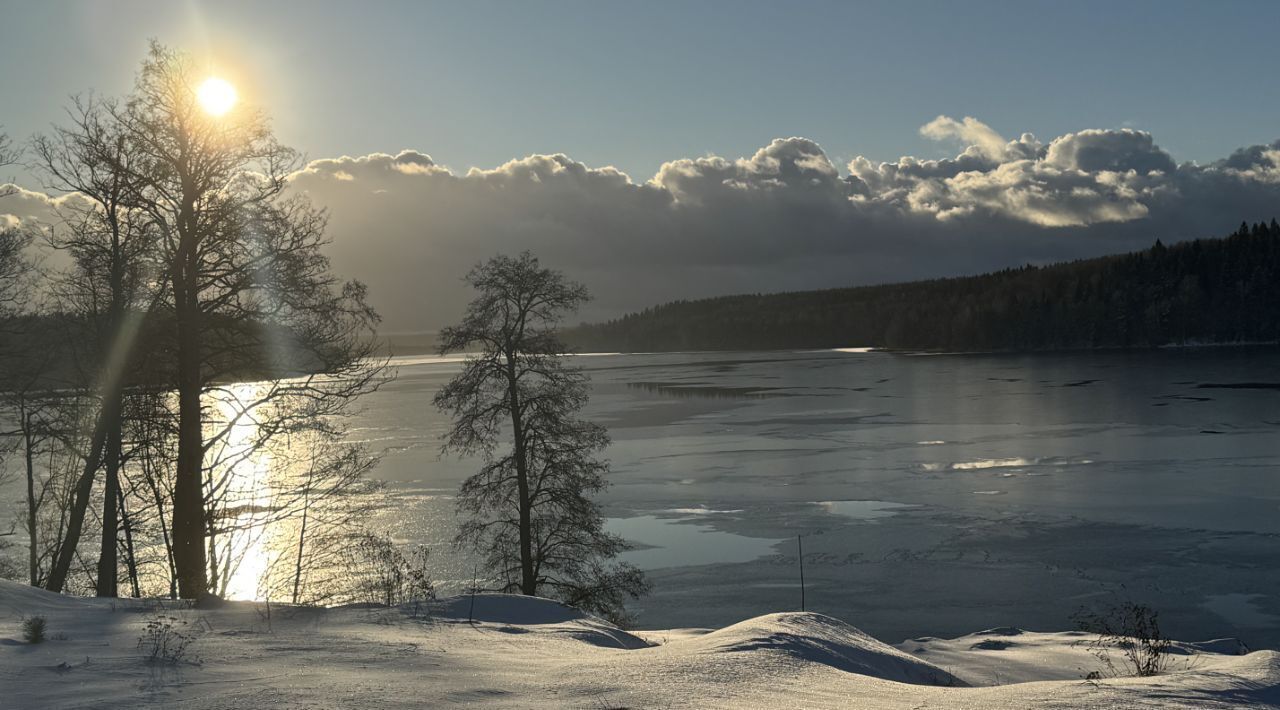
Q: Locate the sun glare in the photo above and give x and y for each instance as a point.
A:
(216, 96)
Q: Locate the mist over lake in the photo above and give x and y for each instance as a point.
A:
(937, 493)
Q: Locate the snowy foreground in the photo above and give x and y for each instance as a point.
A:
(532, 653)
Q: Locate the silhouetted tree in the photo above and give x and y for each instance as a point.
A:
(106, 290)
(248, 292)
(529, 510)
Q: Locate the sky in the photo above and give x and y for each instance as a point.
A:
(638, 97)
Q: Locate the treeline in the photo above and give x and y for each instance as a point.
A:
(250, 351)
(1202, 291)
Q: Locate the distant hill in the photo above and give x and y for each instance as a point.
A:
(1203, 291)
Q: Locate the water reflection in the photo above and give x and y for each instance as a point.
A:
(286, 499)
(240, 482)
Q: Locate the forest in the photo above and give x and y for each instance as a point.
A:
(1202, 291)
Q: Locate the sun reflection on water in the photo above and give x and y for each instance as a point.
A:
(245, 464)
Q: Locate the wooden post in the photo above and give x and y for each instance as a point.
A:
(475, 571)
(800, 547)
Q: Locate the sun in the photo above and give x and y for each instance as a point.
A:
(216, 96)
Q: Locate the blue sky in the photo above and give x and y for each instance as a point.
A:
(1118, 95)
(635, 84)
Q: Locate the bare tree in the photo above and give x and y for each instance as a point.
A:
(529, 508)
(34, 432)
(249, 293)
(47, 422)
(106, 291)
(254, 349)
(200, 174)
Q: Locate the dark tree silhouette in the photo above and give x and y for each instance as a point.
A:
(202, 175)
(529, 511)
(110, 243)
(1201, 291)
(248, 291)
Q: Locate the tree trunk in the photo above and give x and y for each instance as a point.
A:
(188, 489)
(302, 534)
(108, 558)
(130, 552)
(66, 550)
(528, 581)
(33, 505)
(188, 492)
(117, 343)
(215, 580)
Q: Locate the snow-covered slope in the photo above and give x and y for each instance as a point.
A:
(815, 638)
(1008, 655)
(518, 652)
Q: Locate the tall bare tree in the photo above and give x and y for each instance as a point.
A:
(200, 173)
(254, 350)
(106, 292)
(529, 508)
(250, 293)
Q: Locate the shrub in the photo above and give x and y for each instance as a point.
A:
(33, 629)
(380, 573)
(163, 640)
(1132, 628)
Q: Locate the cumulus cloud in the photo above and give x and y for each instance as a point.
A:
(1096, 151)
(783, 218)
(971, 132)
(23, 207)
(1079, 179)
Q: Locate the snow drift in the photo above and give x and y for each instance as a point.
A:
(816, 638)
(520, 652)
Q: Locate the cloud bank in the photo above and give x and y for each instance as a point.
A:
(784, 218)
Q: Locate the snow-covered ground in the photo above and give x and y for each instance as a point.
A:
(533, 653)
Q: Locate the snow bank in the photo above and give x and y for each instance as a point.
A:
(514, 613)
(1006, 655)
(519, 652)
(821, 639)
(18, 599)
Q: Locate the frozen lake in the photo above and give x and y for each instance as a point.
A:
(937, 493)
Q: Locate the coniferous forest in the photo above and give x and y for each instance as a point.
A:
(1202, 291)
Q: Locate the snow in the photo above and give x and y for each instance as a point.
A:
(1009, 655)
(520, 652)
(820, 639)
